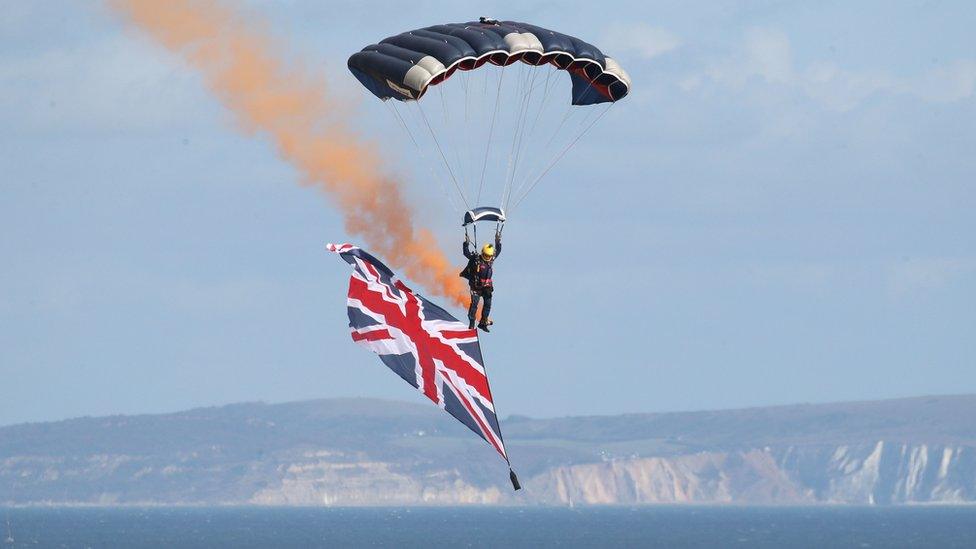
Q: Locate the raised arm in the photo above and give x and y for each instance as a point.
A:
(498, 244)
(466, 249)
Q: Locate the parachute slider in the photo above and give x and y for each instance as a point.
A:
(487, 20)
(483, 213)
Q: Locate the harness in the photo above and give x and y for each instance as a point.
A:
(481, 276)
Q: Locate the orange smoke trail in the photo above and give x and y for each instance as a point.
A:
(308, 128)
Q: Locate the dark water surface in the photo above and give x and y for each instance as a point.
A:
(493, 527)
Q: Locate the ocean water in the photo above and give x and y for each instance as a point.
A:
(671, 527)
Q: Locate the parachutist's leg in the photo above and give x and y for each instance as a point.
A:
(473, 309)
(486, 309)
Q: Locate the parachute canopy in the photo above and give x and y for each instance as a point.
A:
(405, 65)
(486, 127)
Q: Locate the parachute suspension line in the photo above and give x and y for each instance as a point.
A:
(517, 111)
(560, 156)
(525, 121)
(517, 182)
(444, 158)
(433, 174)
(477, 106)
(491, 131)
(542, 102)
(569, 111)
(440, 91)
(529, 187)
(520, 136)
(471, 120)
(543, 155)
(467, 135)
(537, 156)
(423, 149)
(586, 119)
(524, 140)
(542, 84)
(518, 141)
(518, 118)
(582, 124)
(447, 130)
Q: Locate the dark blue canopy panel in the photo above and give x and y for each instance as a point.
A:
(403, 66)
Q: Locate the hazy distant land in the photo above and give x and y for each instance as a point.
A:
(373, 452)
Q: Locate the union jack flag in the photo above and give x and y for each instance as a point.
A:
(422, 343)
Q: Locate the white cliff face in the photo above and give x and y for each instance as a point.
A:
(904, 473)
(851, 476)
(369, 483)
(879, 473)
(703, 477)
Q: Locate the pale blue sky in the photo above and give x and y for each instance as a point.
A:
(782, 211)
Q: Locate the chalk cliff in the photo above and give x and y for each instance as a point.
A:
(367, 452)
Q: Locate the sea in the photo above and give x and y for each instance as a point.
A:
(506, 527)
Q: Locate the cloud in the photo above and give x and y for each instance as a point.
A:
(947, 83)
(925, 274)
(810, 276)
(72, 287)
(105, 84)
(841, 90)
(640, 38)
(766, 54)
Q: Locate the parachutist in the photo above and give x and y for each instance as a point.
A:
(478, 274)
(405, 66)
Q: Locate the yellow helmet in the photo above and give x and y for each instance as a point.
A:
(488, 250)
